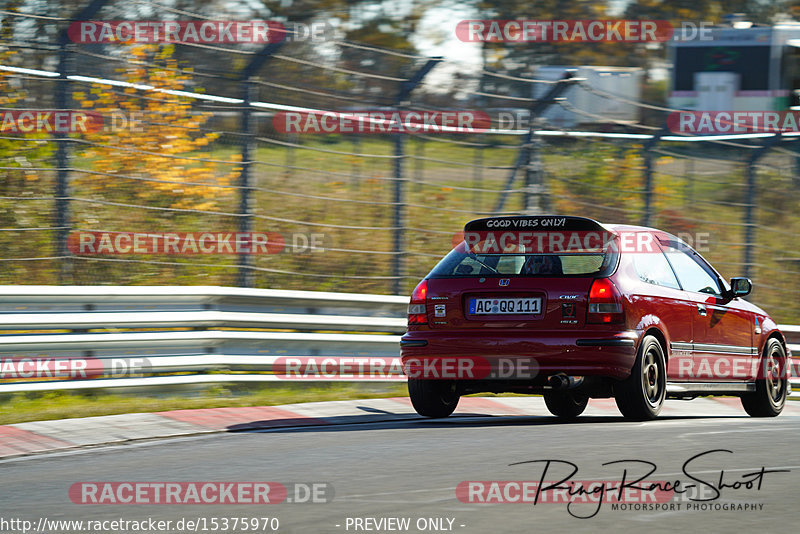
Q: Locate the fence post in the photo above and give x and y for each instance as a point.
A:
(749, 217)
(524, 159)
(62, 101)
(355, 168)
(750, 204)
(419, 164)
(535, 190)
(647, 215)
(796, 174)
(62, 215)
(244, 277)
(245, 273)
(477, 176)
(689, 189)
(398, 219)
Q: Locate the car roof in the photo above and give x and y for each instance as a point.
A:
(635, 228)
(630, 228)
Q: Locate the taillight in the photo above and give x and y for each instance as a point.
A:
(416, 308)
(605, 305)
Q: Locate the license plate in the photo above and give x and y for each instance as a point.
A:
(526, 306)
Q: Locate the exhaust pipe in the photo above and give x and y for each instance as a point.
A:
(558, 381)
(562, 381)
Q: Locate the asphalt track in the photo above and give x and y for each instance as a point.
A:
(410, 469)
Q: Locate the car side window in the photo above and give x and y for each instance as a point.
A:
(653, 268)
(693, 275)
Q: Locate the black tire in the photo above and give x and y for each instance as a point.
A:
(433, 398)
(769, 397)
(565, 405)
(641, 396)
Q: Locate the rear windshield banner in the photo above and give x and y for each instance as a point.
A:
(541, 223)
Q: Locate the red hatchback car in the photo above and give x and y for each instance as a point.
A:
(573, 309)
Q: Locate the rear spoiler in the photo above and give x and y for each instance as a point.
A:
(541, 223)
(543, 234)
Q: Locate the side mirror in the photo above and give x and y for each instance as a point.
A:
(741, 286)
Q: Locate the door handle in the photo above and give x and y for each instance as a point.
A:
(701, 309)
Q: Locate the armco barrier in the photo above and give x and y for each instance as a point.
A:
(101, 323)
(193, 345)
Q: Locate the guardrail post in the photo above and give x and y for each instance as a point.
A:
(398, 220)
(244, 277)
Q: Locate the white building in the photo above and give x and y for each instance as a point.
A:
(736, 69)
(593, 107)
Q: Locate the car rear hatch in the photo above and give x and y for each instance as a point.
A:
(497, 302)
(514, 285)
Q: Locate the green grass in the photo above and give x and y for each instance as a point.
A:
(22, 407)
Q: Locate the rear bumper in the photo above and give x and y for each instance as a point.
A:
(581, 353)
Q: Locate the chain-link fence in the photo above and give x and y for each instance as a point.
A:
(189, 144)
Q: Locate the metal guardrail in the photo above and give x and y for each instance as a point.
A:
(193, 345)
(199, 319)
(315, 325)
(27, 300)
(792, 334)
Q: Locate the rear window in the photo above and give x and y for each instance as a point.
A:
(531, 246)
(459, 263)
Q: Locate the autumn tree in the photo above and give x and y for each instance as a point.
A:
(153, 135)
(23, 185)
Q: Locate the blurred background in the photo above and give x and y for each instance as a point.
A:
(206, 157)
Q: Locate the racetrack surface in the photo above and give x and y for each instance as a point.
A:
(410, 468)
